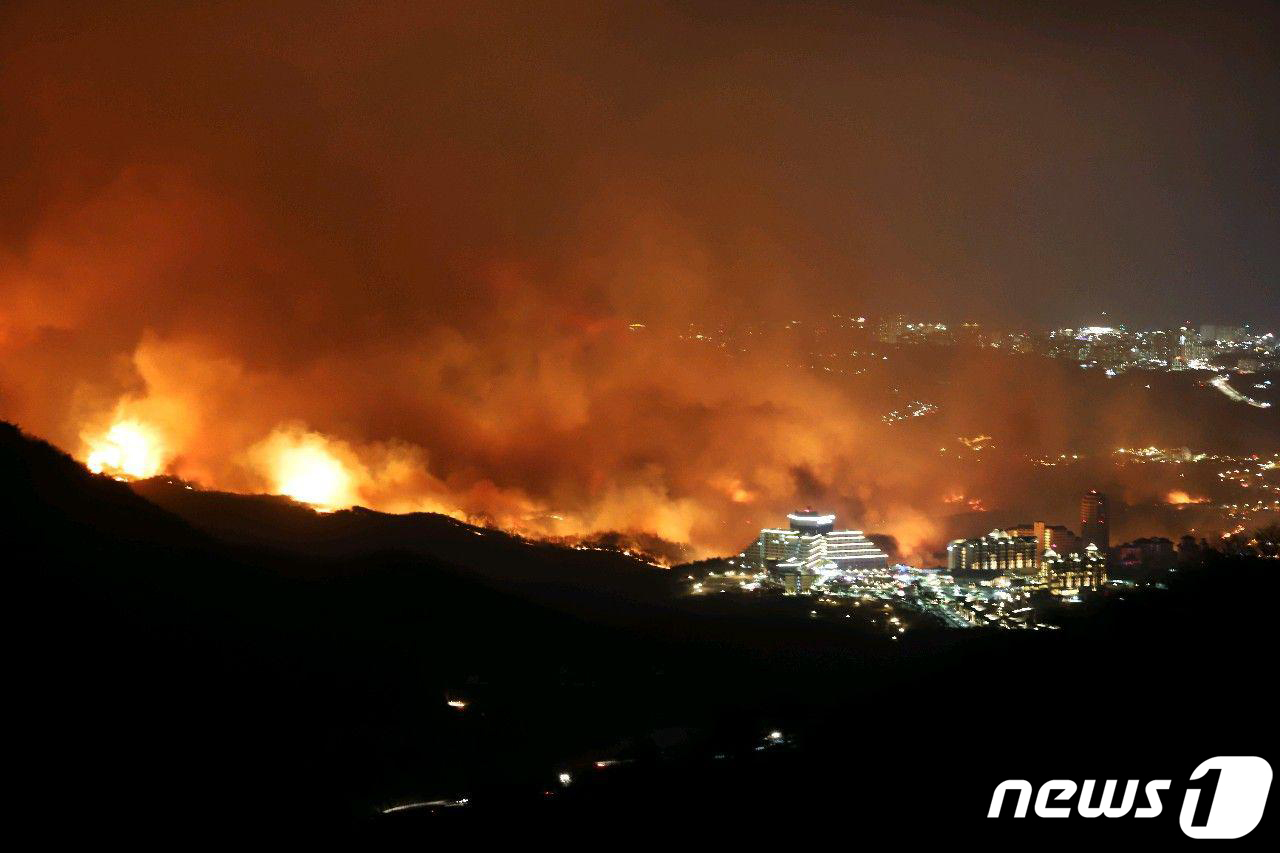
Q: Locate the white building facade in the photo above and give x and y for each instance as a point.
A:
(811, 550)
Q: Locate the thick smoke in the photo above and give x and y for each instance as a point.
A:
(399, 256)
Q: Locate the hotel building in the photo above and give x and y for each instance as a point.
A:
(998, 551)
(810, 549)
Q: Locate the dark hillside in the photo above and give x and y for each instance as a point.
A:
(168, 679)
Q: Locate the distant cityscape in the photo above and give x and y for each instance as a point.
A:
(1113, 348)
(1002, 579)
(1237, 361)
(848, 344)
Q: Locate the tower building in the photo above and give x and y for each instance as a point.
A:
(1095, 521)
(810, 549)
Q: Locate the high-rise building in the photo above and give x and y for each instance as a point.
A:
(1067, 574)
(1191, 349)
(1224, 334)
(889, 329)
(1003, 551)
(998, 551)
(773, 546)
(811, 549)
(1049, 537)
(1095, 521)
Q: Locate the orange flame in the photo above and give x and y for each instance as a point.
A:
(129, 449)
(305, 468)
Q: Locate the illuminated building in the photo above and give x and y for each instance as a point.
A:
(806, 521)
(848, 548)
(889, 329)
(1224, 334)
(811, 550)
(1191, 350)
(998, 551)
(773, 546)
(1049, 537)
(1104, 346)
(806, 562)
(1155, 349)
(1095, 521)
(1067, 574)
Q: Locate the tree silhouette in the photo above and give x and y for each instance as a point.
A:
(1268, 540)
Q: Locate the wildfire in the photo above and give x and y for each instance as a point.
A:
(303, 467)
(128, 450)
(974, 504)
(1181, 498)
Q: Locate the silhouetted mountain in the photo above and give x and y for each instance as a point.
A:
(44, 486)
(202, 676)
(194, 675)
(168, 678)
(278, 522)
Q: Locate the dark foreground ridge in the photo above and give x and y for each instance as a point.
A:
(222, 661)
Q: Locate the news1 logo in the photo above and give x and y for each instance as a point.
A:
(1224, 798)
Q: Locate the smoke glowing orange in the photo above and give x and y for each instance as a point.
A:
(1181, 498)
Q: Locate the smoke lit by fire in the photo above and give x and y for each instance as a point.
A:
(442, 263)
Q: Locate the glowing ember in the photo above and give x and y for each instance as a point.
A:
(128, 450)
